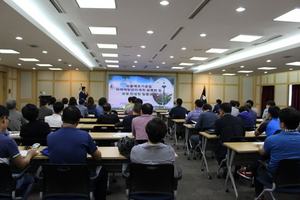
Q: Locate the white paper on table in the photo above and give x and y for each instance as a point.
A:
(258, 143)
(23, 153)
(122, 134)
(15, 133)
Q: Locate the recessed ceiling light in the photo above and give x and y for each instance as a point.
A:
(29, 59)
(157, 67)
(297, 63)
(188, 64)
(114, 66)
(109, 55)
(44, 65)
(107, 46)
(245, 38)
(135, 61)
(267, 68)
(291, 16)
(150, 32)
(240, 9)
(56, 68)
(245, 71)
(103, 30)
(76, 68)
(19, 64)
(183, 48)
(69, 65)
(44, 52)
(198, 58)
(202, 34)
(171, 56)
(164, 3)
(59, 60)
(268, 60)
(104, 4)
(265, 72)
(291, 69)
(133, 65)
(19, 38)
(163, 63)
(247, 74)
(143, 46)
(111, 61)
(138, 55)
(209, 73)
(177, 67)
(216, 50)
(228, 74)
(9, 51)
(33, 68)
(242, 66)
(224, 70)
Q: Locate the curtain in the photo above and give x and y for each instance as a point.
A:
(296, 97)
(267, 95)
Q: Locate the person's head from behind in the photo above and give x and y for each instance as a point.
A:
(44, 102)
(156, 130)
(137, 108)
(250, 102)
(199, 103)
(30, 112)
(225, 108)
(219, 101)
(72, 101)
(11, 103)
(243, 109)
(52, 100)
(58, 107)
(237, 104)
(71, 115)
(233, 103)
(273, 111)
(4, 113)
(106, 107)
(65, 100)
(270, 103)
(147, 109)
(179, 101)
(248, 105)
(138, 100)
(206, 107)
(102, 101)
(81, 101)
(289, 118)
(90, 101)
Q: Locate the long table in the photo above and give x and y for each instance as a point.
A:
(176, 122)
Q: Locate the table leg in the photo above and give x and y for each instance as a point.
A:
(203, 159)
(175, 135)
(230, 157)
(187, 151)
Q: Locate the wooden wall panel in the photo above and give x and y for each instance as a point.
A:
(231, 93)
(26, 84)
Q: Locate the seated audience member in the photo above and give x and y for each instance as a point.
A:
(153, 152)
(178, 112)
(107, 117)
(72, 101)
(82, 108)
(69, 145)
(246, 118)
(55, 119)
(270, 124)
(227, 127)
(234, 109)
(51, 101)
(137, 100)
(139, 123)
(130, 105)
(251, 112)
(35, 130)
(91, 106)
(217, 106)
(193, 115)
(269, 103)
(127, 120)
(205, 120)
(99, 109)
(284, 145)
(252, 108)
(65, 101)
(16, 118)
(44, 110)
(9, 151)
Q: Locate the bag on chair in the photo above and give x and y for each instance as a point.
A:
(125, 145)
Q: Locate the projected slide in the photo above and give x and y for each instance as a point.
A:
(157, 90)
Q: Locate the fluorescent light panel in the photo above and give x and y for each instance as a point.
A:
(297, 63)
(111, 61)
(291, 16)
(198, 58)
(44, 65)
(228, 74)
(103, 30)
(177, 67)
(115, 66)
(267, 68)
(9, 51)
(29, 59)
(109, 55)
(245, 38)
(245, 71)
(55, 68)
(216, 50)
(107, 46)
(187, 64)
(104, 4)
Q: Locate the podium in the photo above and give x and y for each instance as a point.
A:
(45, 96)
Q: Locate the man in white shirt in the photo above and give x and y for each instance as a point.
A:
(55, 119)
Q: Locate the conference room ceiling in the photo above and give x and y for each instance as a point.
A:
(172, 30)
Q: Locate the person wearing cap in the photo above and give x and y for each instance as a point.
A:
(83, 109)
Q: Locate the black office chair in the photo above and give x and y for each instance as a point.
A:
(66, 181)
(286, 179)
(8, 182)
(150, 182)
(31, 141)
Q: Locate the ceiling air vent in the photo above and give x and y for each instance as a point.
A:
(97, 61)
(33, 46)
(213, 59)
(234, 51)
(267, 40)
(200, 7)
(154, 56)
(85, 45)
(162, 48)
(73, 28)
(57, 6)
(92, 54)
(176, 33)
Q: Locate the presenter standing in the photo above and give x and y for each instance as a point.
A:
(83, 93)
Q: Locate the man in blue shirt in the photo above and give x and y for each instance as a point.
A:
(178, 112)
(271, 123)
(193, 115)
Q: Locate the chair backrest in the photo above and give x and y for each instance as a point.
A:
(31, 141)
(151, 179)
(65, 180)
(104, 129)
(6, 181)
(288, 173)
